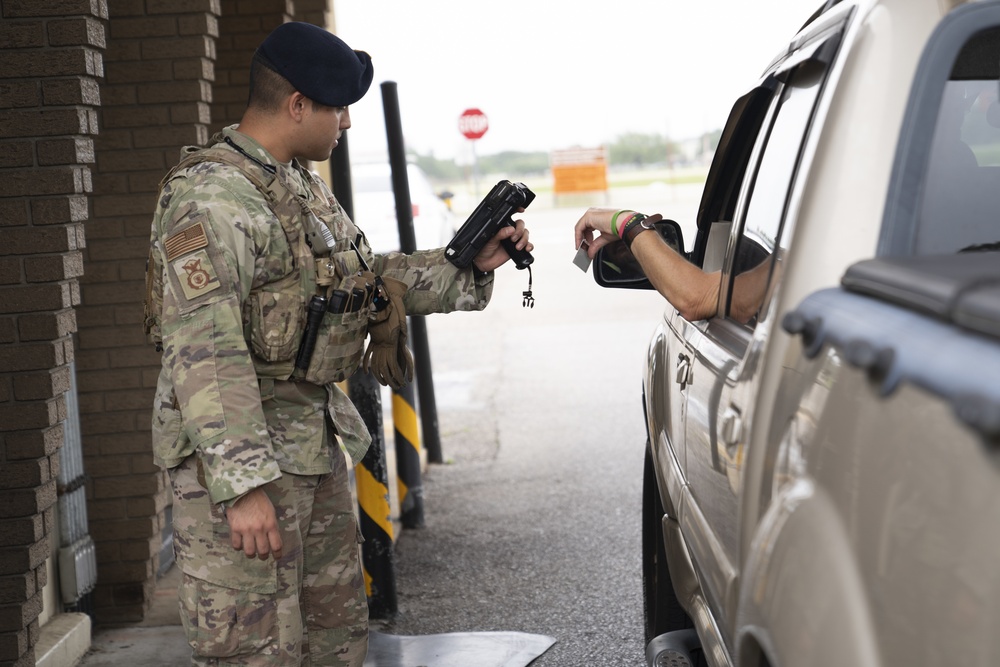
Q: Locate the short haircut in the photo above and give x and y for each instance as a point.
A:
(268, 89)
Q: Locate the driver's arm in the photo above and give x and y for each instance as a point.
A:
(694, 293)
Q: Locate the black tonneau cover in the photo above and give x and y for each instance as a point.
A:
(961, 288)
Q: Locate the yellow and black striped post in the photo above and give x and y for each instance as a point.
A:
(377, 557)
(411, 490)
(370, 475)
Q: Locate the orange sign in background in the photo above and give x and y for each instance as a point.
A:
(579, 170)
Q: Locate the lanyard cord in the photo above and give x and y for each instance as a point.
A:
(269, 168)
(528, 301)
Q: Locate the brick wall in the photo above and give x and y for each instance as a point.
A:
(317, 12)
(50, 62)
(155, 98)
(145, 72)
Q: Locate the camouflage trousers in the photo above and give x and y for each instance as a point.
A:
(309, 608)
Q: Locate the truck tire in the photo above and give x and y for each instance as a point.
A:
(663, 611)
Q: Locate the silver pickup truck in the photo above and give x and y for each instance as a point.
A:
(822, 483)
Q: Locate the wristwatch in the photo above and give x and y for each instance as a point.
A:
(644, 224)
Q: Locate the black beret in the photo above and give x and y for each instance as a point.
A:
(317, 63)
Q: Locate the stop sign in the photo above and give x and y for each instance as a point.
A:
(472, 123)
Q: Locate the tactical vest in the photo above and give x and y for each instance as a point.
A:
(274, 315)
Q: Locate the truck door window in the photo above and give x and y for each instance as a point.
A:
(961, 197)
(718, 203)
(753, 274)
(944, 193)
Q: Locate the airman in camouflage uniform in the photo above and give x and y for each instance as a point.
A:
(257, 450)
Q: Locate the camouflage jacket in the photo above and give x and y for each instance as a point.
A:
(216, 243)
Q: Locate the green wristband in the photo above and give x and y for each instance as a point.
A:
(614, 222)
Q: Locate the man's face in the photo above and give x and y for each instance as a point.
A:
(323, 126)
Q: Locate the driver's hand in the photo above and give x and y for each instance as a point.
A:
(595, 219)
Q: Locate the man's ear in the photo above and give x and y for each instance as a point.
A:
(296, 105)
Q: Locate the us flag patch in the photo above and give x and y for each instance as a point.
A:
(185, 241)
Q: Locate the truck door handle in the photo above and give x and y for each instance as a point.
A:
(732, 427)
(683, 376)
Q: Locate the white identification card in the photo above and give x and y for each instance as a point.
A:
(581, 258)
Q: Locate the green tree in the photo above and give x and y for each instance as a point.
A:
(631, 149)
(515, 163)
(641, 150)
(436, 169)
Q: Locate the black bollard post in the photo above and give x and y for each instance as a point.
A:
(371, 476)
(408, 243)
(409, 478)
(377, 554)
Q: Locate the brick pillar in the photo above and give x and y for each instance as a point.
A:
(317, 12)
(244, 24)
(50, 59)
(155, 99)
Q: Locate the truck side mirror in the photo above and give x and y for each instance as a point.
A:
(616, 266)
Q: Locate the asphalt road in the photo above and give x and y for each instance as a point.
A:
(532, 523)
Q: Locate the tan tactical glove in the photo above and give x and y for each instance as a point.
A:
(387, 357)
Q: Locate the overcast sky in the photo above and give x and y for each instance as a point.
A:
(553, 74)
